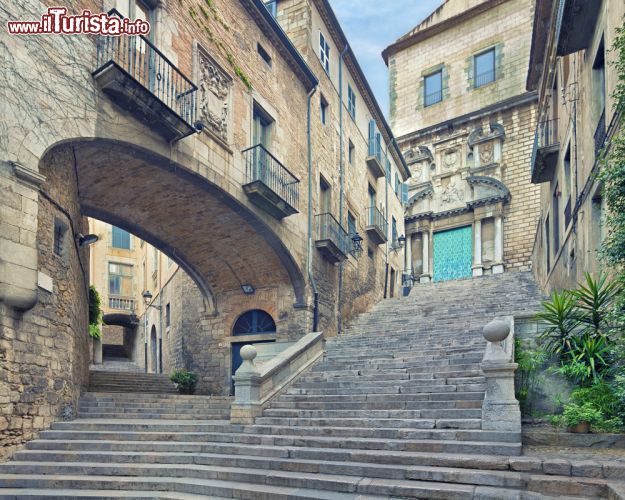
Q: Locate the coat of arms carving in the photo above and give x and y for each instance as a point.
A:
(214, 95)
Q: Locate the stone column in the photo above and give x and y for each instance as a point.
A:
(478, 270)
(425, 245)
(498, 266)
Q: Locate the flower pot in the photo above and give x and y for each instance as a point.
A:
(580, 428)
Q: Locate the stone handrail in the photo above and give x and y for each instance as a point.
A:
(500, 409)
(256, 385)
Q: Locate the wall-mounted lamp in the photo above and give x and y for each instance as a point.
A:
(401, 241)
(248, 289)
(84, 240)
(147, 298)
(356, 245)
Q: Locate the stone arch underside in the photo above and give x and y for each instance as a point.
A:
(215, 239)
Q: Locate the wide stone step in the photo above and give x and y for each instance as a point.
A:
(153, 416)
(401, 414)
(387, 389)
(71, 438)
(410, 423)
(408, 482)
(181, 486)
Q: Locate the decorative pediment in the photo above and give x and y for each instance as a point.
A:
(478, 135)
(420, 154)
(487, 190)
(428, 191)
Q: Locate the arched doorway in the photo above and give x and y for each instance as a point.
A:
(253, 322)
(153, 350)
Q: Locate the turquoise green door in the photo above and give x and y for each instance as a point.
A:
(453, 254)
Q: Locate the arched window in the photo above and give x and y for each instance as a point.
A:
(254, 322)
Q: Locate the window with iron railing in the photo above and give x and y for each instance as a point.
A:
(261, 165)
(600, 135)
(484, 68)
(328, 228)
(148, 66)
(548, 133)
(433, 88)
(376, 219)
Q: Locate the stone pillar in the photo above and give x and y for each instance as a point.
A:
(478, 270)
(19, 204)
(500, 409)
(246, 405)
(498, 266)
(425, 245)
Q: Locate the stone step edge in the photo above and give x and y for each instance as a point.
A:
(609, 470)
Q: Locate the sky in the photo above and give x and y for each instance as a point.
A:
(371, 25)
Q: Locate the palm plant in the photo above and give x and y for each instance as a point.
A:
(559, 314)
(595, 300)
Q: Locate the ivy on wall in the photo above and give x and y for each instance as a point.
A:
(612, 172)
(207, 15)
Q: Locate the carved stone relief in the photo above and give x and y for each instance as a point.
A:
(214, 95)
(453, 193)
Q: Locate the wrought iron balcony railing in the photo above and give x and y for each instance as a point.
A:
(376, 218)
(332, 239)
(433, 98)
(548, 133)
(545, 150)
(484, 78)
(262, 167)
(140, 60)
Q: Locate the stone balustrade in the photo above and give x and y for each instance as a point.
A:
(256, 385)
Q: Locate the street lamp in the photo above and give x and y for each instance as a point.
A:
(84, 240)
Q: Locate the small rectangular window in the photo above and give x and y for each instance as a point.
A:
(121, 238)
(350, 152)
(396, 183)
(263, 54)
(484, 68)
(324, 53)
(433, 88)
(351, 101)
(120, 280)
(323, 109)
(394, 231)
(167, 315)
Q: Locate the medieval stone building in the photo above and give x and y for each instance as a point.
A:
(220, 139)
(463, 120)
(572, 72)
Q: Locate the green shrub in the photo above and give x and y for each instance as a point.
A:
(185, 381)
(95, 313)
(526, 381)
(95, 331)
(575, 414)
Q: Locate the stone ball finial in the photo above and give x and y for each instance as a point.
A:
(248, 352)
(496, 331)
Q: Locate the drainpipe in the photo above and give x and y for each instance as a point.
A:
(145, 338)
(388, 226)
(160, 326)
(339, 320)
(310, 209)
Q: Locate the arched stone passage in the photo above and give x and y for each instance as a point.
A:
(218, 241)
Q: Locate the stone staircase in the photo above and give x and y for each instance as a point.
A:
(130, 381)
(393, 411)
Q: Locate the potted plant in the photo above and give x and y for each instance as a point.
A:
(580, 418)
(185, 381)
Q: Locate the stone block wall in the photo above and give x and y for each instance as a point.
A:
(44, 352)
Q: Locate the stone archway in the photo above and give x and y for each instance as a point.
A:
(219, 242)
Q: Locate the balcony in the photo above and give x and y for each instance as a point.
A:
(545, 152)
(268, 184)
(432, 98)
(374, 158)
(377, 227)
(575, 24)
(332, 240)
(484, 78)
(121, 303)
(139, 78)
